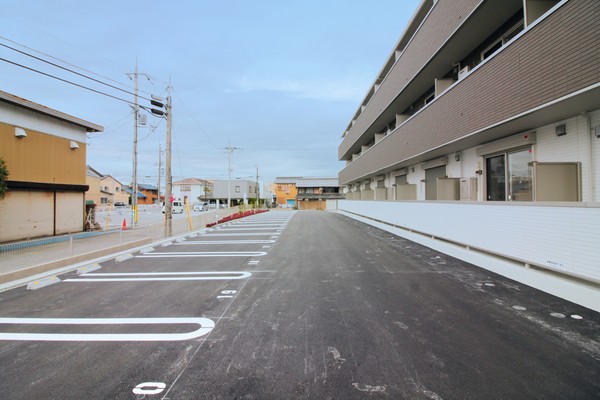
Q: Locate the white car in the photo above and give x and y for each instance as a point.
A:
(176, 207)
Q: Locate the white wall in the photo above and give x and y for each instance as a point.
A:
(562, 237)
(35, 121)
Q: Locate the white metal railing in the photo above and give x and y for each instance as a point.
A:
(560, 237)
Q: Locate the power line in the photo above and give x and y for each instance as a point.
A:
(71, 83)
(69, 63)
(196, 121)
(70, 70)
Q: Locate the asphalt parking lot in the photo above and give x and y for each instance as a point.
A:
(286, 305)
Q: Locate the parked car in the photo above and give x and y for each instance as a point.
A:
(176, 207)
(200, 206)
(120, 204)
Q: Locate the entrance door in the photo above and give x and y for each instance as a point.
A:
(431, 177)
(496, 178)
(509, 176)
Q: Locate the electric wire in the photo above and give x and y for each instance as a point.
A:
(74, 84)
(71, 71)
(70, 64)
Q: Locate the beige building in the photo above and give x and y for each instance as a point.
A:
(483, 129)
(482, 101)
(104, 189)
(45, 153)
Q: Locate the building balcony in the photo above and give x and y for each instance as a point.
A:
(546, 74)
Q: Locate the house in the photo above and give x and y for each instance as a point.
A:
(45, 153)
(285, 191)
(483, 128)
(149, 194)
(237, 190)
(193, 190)
(104, 189)
(313, 193)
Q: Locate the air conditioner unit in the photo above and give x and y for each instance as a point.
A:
(463, 72)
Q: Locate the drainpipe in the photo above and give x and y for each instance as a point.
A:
(588, 127)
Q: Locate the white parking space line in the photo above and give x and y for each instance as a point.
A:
(249, 229)
(161, 276)
(206, 325)
(177, 254)
(241, 241)
(239, 234)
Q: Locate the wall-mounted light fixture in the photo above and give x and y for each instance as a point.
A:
(597, 130)
(561, 130)
(457, 157)
(73, 145)
(20, 132)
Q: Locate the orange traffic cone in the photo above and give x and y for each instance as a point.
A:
(124, 226)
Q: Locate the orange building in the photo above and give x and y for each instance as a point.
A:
(285, 191)
(45, 153)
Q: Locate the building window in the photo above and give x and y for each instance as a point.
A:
(509, 177)
(497, 45)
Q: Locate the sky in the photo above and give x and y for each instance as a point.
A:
(278, 80)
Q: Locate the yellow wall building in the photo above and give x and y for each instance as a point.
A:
(45, 153)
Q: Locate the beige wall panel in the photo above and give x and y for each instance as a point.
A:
(26, 215)
(42, 158)
(69, 212)
(406, 192)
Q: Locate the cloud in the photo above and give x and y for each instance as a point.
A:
(340, 90)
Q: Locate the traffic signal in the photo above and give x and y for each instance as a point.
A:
(160, 109)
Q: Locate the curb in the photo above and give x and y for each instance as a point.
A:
(17, 277)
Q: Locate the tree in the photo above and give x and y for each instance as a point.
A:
(3, 176)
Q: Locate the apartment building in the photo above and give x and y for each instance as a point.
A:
(485, 123)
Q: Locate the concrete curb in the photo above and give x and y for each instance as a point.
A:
(53, 265)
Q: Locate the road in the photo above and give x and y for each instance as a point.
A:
(290, 305)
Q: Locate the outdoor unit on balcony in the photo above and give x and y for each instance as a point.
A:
(463, 72)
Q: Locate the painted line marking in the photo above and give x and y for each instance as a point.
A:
(248, 229)
(224, 297)
(226, 242)
(204, 254)
(206, 325)
(239, 234)
(155, 388)
(161, 276)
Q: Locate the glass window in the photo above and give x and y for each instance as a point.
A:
(496, 178)
(509, 176)
(520, 176)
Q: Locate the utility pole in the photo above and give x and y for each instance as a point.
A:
(136, 116)
(230, 149)
(168, 176)
(159, 168)
(134, 185)
(257, 190)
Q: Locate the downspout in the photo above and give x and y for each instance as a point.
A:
(588, 128)
(54, 214)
